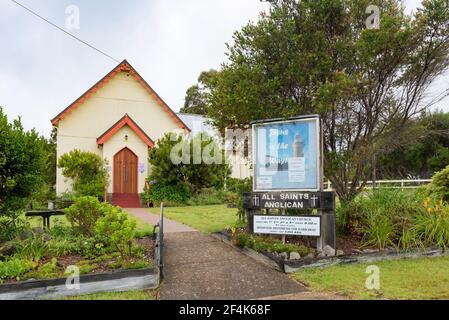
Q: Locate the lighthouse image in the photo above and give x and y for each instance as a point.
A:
(298, 147)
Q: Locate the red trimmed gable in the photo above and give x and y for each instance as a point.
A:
(125, 121)
(124, 66)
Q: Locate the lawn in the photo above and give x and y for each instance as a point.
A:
(421, 279)
(132, 295)
(204, 218)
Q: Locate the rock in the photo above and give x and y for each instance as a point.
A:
(295, 256)
(340, 253)
(357, 251)
(37, 232)
(370, 251)
(321, 255)
(284, 255)
(311, 256)
(25, 235)
(7, 249)
(329, 251)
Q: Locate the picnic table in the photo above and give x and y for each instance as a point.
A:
(46, 215)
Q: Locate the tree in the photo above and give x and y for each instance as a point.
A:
(87, 171)
(196, 97)
(318, 57)
(427, 153)
(190, 175)
(22, 169)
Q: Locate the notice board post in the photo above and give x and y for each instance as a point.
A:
(288, 169)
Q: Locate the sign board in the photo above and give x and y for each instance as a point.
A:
(289, 200)
(288, 225)
(287, 155)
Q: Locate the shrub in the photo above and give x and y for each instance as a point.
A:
(187, 174)
(242, 240)
(432, 224)
(33, 249)
(22, 173)
(439, 188)
(207, 197)
(117, 229)
(171, 195)
(63, 247)
(84, 213)
(87, 172)
(14, 268)
(381, 217)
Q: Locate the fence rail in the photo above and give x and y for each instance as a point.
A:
(388, 184)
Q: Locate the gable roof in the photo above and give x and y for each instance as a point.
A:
(124, 66)
(126, 120)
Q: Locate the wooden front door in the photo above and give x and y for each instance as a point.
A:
(125, 172)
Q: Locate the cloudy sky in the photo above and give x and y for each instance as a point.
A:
(169, 42)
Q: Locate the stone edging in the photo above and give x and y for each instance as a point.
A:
(120, 281)
(291, 266)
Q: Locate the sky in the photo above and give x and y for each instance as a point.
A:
(169, 42)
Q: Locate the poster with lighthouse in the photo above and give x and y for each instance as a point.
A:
(287, 155)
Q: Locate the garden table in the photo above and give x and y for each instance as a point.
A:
(46, 215)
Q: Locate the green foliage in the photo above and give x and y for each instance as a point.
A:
(117, 229)
(190, 174)
(394, 218)
(421, 157)
(318, 57)
(14, 268)
(171, 195)
(264, 244)
(50, 270)
(239, 187)
(196, 97)
(84, 213)
(439, 188)
(22, 168)
(33, 249)
(87, 171)
(63, 247)
(208, 197)
(432, 225)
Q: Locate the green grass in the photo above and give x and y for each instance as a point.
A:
(421, 279)
(204, 218)
(132, 295)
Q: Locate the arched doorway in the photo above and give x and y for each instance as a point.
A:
(125, 172)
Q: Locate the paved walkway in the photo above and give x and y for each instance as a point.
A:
(199, 267)
(170, 226)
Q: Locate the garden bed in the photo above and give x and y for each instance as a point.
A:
(101, 244)
(118, 281)
(351, 255)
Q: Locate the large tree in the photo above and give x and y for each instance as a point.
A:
(427, 153)
(22, 172)
(196, 100)
(319, 57)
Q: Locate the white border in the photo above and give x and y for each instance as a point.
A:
(317, 119)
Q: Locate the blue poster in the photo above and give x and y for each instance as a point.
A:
(287, 155)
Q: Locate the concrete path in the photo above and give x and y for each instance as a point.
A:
(147, 216)
(199, 267)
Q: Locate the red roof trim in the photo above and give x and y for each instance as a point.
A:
(126, 120)
(124, 66)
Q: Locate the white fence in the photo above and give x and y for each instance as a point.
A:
(389, 184)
